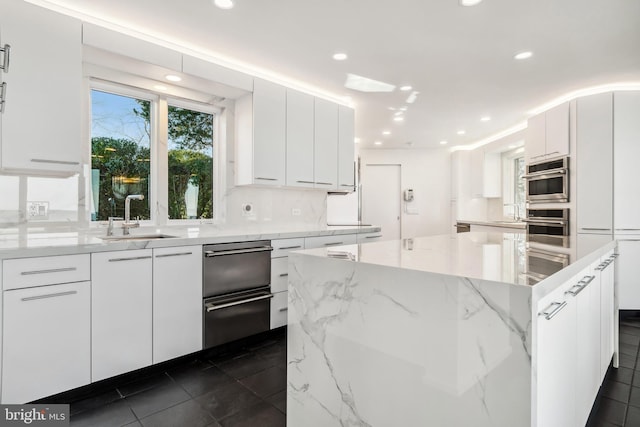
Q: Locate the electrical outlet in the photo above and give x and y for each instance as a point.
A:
(37, 210)
(296, 212)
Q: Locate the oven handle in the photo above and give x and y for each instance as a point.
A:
(210, 254)
(211, 306)
(546, 174)
(546, 221)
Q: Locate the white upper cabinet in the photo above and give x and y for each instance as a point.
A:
(626, 178)
(594, 163)
(548, 134)
(300, 119)
(485, 174)
(346, 148)
(261, 135)
(42, 118)
(325, 150)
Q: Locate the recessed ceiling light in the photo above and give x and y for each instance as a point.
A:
(512, 146)
(386, 132)
(403, 108)
(223, 4)
(485, 119)
(398, 119)
(340, 56)
(412, 97)
(444, 142)
(461, 132)
(173, 78)
(469, 2)
(378, 143)
(405, 88)
(398, 113)
(159, 87)
(523, 55)
(356, 140)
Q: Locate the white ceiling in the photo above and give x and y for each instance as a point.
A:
(460, 59)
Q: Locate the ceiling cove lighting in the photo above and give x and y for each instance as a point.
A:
(523, 55)
(592, 90)
(224, 4)
(469, 2)
(340, 56)
(173, 78)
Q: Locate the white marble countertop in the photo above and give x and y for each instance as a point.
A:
(45, 242)
(495, 256)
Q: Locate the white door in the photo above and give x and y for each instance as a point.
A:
(381, 204)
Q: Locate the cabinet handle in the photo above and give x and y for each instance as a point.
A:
(56, 162)
(129, 259)
(333, 244)
(614, 256)
(283, 309)
(5, 61)
(59, 294)
(551, 314)
(595, 229)
(575, 289)
(284, 274)
(375, 237)
(324, 183)
(628, 229)
(347, 185)
(210, 254)
(289, 247)
(176, 254)
(553, 152)
(213, 307)
(266, 179)
(51, 270)
(3, 91)
(304, 182)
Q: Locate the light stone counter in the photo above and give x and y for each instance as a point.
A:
(433, 331)
(43, 242)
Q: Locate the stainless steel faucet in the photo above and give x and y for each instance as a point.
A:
(127, 224)
(111, 220)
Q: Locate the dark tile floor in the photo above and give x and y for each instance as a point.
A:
(618, 402)
(242, 384)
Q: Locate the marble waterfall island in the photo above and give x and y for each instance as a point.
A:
(419, 332)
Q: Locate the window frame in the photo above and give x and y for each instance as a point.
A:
(158, 141)
(509, 179)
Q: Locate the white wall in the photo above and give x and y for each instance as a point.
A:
(427, 172)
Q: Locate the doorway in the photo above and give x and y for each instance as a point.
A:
(381, 201)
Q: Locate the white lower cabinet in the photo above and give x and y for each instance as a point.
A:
(369, 237)
(328, 241)
(177, 302)
(628, 274)
(279, 278)
(607, 311)
(279, 308)
(46, 341)
(556, 358)
(121, 312)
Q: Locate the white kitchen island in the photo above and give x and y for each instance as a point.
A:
(446, 331)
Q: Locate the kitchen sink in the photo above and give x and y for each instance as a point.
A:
(137, 237)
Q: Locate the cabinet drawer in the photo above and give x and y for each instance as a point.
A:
(326, 241)
(29, 272)
(283, 246)
(279, 307)
(279, 274)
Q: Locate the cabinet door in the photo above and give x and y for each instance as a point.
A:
(556, 356)
(42, 120)
(177, 302)
(46, 341)
(594, 163)
(626, 134)
(628, 274)
(279, 308)
(557, 131)
(477, 173)
(346, 148)
(269, 143)
(328, 241)
(534, 149)
(299, 139)
(587, 362)
(121, 307)
(326, 144)
(607, 312)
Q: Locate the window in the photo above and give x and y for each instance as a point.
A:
(513, 169)
(190, 158)
(127, 157)
(120, 154)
